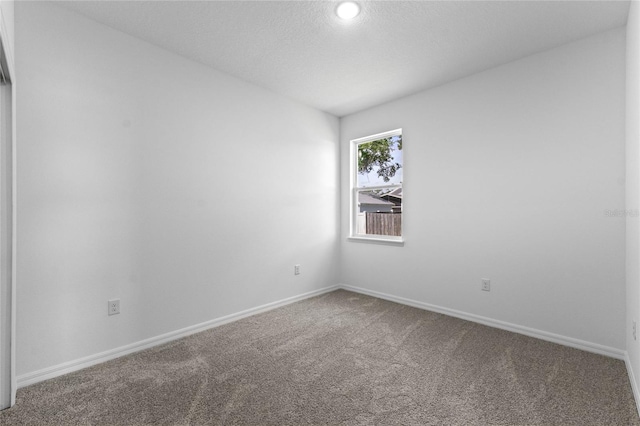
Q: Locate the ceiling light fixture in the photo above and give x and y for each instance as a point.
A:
(347, 10)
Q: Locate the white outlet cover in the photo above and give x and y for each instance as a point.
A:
(486, 284)
(113, 306)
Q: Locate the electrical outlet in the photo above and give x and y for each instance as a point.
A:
(486, 284)
(635, 328)
(296, 270)
(113, 306)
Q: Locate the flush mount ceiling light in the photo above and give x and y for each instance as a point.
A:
(347, 10)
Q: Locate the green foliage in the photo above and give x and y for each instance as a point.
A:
(378, 153)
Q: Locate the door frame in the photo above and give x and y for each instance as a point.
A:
(8, 380)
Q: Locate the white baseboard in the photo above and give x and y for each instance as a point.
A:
(632, 379)
(539, 334)
(79, 364)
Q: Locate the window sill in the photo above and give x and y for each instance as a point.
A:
(374, 240)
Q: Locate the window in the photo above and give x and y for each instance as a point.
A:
(376, 188)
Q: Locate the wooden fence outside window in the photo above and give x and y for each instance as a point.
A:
(384, 224)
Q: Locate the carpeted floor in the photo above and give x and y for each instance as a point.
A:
(341, 359)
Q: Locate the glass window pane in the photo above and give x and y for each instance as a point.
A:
(380, 162)
(379, 212)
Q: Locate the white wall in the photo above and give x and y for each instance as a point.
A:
(633, 190)
(138, 176)
(508, 174)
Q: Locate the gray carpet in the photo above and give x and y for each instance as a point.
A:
(341, 359)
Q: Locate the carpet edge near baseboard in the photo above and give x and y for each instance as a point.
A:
(91, 360)
(515, 328)
(85, 362)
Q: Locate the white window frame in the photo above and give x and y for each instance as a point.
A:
(355, 189)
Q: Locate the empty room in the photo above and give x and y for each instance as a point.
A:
(203, 215)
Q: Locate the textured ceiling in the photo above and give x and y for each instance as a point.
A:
(392, 49)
